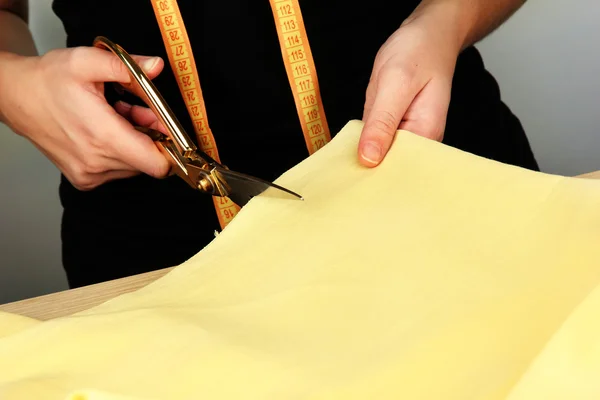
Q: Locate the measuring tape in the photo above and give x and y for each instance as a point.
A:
(299, 66)
(301, 72)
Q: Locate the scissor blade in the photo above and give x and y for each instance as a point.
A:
(245, 187)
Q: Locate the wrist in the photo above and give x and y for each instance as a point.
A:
(16, 109)
(9, 67)
(452, 19)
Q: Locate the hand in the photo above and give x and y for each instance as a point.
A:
(57, 102)
(140, 116)
(409, 88)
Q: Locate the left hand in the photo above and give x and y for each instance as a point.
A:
(410, 86)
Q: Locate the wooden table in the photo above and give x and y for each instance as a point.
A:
(70, 301)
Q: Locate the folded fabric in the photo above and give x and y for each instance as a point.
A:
(437, 275)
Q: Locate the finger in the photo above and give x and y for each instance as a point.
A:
(150, 67)
(116, 174)
(96, 180)
(107, 164)
(393, 95)
(427, 114)
(135, 149)
(124, 109)
(141, 116)
(90, 64)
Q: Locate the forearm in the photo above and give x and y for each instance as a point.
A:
(15, 36)
(469, 20)
(16, 42)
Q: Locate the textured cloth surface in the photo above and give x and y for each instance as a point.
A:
(437, 275)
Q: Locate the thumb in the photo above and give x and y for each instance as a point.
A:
(391, 100)
(90, 64)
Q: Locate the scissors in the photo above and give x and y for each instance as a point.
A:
(195, 167)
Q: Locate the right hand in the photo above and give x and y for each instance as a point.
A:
(57, 102)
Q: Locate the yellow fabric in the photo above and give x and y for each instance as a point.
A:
(569, 368)
(437, 275)
(12, 323)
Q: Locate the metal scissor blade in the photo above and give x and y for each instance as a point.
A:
(245, 187)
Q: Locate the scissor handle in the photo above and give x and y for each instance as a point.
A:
(151, 97)
(198, 169)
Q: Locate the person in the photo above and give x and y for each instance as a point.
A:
(405, 64)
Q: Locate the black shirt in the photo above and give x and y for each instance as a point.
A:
(128, 226)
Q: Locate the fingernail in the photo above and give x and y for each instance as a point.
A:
(371, 153)
(150, 63)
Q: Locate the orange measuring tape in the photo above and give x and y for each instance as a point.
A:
(301, 72)
(299, 66)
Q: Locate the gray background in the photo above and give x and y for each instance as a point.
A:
(546, 59)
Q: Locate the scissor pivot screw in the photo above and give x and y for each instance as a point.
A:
(205, 185)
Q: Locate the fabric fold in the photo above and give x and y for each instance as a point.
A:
(437, 275)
